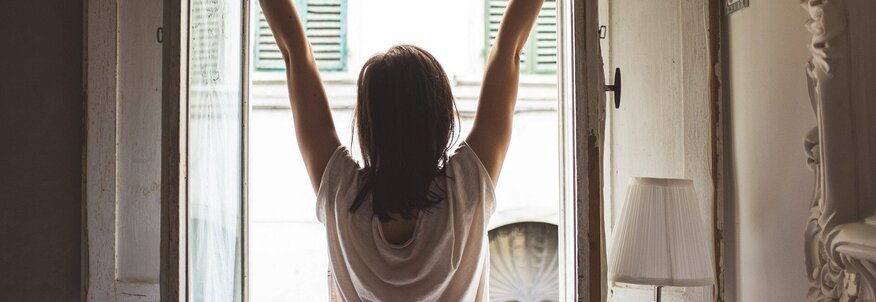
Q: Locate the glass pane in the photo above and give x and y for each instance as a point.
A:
(215, 151)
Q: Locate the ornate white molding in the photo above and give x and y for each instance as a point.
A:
(840, 244)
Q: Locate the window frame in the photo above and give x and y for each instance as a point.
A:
(582, 111)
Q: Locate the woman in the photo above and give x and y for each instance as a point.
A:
(411, 223)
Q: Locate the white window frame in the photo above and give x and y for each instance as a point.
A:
(582, 111)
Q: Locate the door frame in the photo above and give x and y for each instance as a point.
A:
(582, 99)
(715, 34)
(582, 107)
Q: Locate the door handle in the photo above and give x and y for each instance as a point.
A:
(616, 88)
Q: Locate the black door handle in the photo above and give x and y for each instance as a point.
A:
(616, 88)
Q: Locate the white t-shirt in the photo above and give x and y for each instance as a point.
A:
(447, 257)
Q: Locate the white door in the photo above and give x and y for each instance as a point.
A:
(663, 127)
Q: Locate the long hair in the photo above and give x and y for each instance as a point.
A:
(406, 119)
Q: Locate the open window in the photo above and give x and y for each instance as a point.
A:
(210, 200)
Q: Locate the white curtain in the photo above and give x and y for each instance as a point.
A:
(215, 151)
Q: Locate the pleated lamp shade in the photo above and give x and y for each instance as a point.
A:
(661, 238)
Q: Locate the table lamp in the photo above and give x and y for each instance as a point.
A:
(661, 239)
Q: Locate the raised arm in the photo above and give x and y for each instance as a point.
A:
(311, 113)
(491, 132)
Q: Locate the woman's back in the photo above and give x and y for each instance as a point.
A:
(445, 258)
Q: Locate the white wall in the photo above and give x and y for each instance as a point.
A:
(768, 185)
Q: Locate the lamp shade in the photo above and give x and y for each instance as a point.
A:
(661, 238)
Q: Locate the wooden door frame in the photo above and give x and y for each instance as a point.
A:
(582, 109)
(716, 105)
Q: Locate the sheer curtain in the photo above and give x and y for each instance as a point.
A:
(215, 151)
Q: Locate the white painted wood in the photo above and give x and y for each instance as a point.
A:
(122, 173)
(137, 292)
(696, 107)
(841, 233)
(646, 131)
(101, 158)
(139, 144)
(664, 127)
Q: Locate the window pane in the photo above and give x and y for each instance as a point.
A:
(215, 151)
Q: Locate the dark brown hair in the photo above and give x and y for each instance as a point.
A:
(405, 120)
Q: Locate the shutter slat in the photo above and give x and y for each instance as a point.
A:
(324, 27)
(545, 42)
(541, 48)
(324, 30)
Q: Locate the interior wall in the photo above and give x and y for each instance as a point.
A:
(41, 114)
(768, 187)
(861, 26)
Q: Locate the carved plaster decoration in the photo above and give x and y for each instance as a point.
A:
(840, 245)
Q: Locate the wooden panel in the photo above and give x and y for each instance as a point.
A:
(583, 112)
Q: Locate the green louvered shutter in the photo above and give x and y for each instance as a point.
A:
(326, 27)
(544, 40)
(494, 11)
(540, 53)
